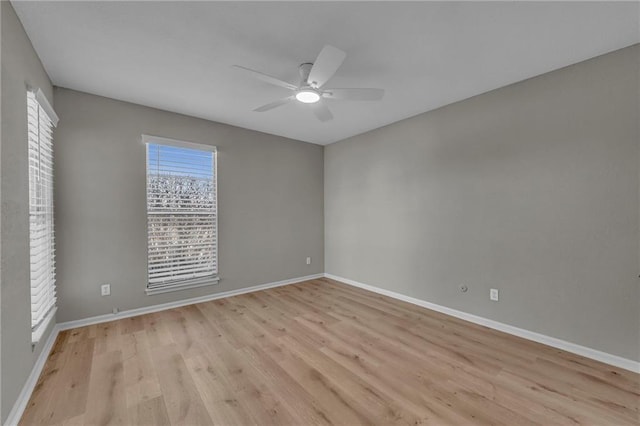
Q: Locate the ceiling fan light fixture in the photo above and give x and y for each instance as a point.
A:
(311, 89)
(307, 96)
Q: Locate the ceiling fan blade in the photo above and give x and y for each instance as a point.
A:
(354, 94)
(274, 104)
(322, 112)
(266, 78)
(325, 66)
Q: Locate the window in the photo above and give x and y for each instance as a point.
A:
(40, 122)
(182, 215)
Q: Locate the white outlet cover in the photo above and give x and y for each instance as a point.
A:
(308, 261)
(105, 289)
(493, 294)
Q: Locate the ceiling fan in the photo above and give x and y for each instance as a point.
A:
(311, 90)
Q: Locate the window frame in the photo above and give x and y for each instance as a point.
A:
(191, 282)
(43, 106)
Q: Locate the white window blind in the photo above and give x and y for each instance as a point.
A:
(181, 215)
(40, 122)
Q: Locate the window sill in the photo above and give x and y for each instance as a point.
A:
(182, 285)
(36, 335)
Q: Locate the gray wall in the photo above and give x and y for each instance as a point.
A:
(531, 189)
(20, 66)
(270, 194)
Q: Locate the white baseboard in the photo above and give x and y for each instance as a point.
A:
(18, 408)
(21, 403)
(597, 355)
(170, 305)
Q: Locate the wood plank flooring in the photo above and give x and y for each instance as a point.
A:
(319, 352)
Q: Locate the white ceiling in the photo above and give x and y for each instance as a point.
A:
(177, 56)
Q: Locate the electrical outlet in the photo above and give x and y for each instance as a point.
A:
(308, 261)
(493, 294)
(105, 289)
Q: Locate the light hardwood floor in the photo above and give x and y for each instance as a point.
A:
(319, 352)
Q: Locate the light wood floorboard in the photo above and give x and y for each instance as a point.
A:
(319, 352)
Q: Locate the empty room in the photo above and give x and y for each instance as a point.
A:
(319, 213)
